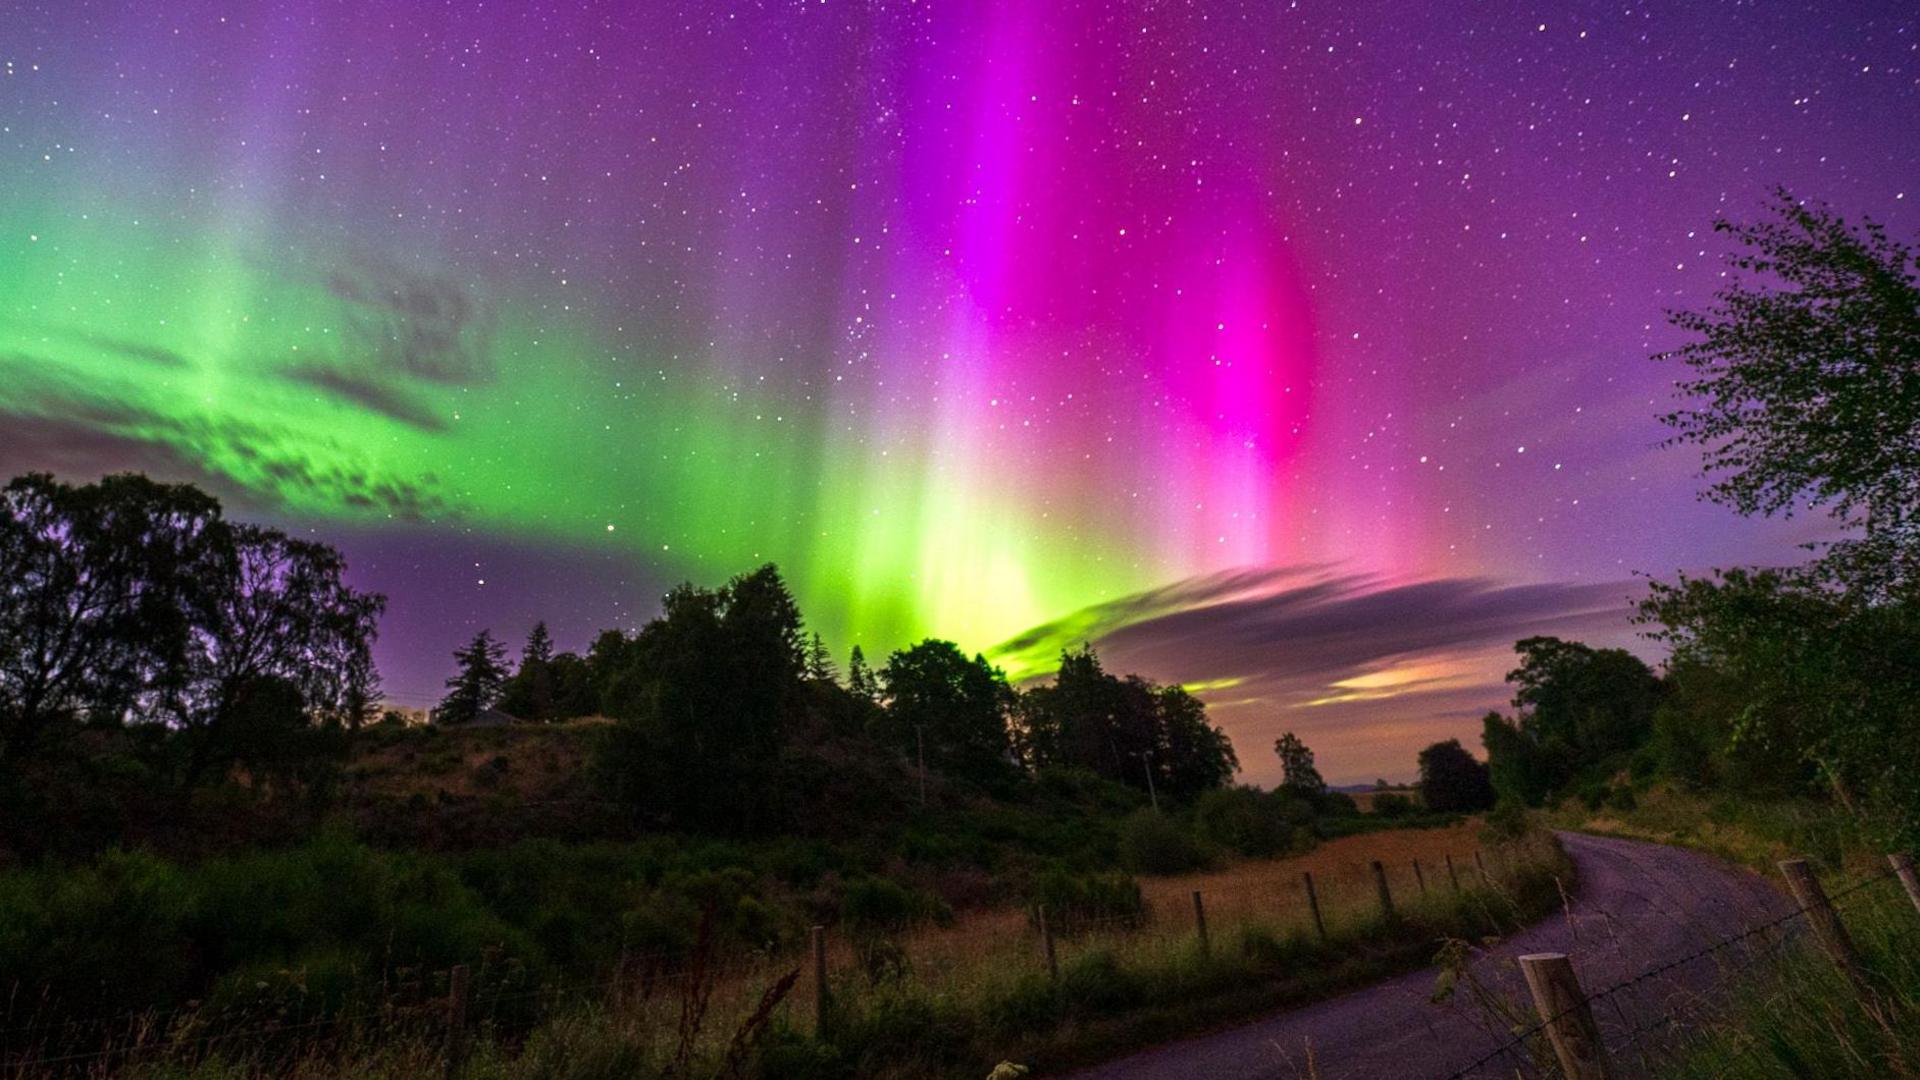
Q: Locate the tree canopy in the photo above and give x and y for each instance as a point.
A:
(1805, 384)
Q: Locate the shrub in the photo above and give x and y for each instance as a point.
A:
(1507, 822)
(877, 904)
(1152, 843)
(1075, 901)
(1248, 821)
(1392, 805)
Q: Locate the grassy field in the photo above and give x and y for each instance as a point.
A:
(930, 1001)
(1797, 1015)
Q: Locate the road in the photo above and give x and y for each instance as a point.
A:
(1638, 906)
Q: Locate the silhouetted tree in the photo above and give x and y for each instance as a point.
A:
(819, 661)
(529, 694)
(1805, 386)
(1453, 780)
(860, 678)
(1122, 729)
(282, 641)
(128, 600)
(958, 705)
(99, 586)
(1194, 756)
(476, 686)
(1578, 710)
(1297, 771)
(703, 695)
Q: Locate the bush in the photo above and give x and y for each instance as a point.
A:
(1391, 804)
(1076, 901)
(1248, 821)
(877, 904)
(1153, 843)
(1508, 822)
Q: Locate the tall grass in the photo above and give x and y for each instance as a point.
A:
(1791, 1013)
(908, 999)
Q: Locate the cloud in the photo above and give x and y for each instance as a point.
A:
(368, 393)
(1367, 669)
(55, 423)
(118, 346)
(423, 325)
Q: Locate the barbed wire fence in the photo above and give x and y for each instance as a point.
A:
(420, 1001)
(1564, 1011)
(512, 1010)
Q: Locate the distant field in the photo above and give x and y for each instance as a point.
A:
(1365, 798)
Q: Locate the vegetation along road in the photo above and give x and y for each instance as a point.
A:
(1638, 906)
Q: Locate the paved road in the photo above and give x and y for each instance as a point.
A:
(1639, 906)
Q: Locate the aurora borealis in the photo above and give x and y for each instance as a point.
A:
(1297, 350)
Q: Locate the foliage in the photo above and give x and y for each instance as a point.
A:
(1076, 902)
(1577, 709)
(1805, 385)
(533, 692)
(1453, 780)
(1392, 804)
(1153, 843)
(1800, 680)
(477, 685)
(1253, 823)
(129, 604)
(1297, 771)
(949, 707)
(704, 696)
(1130, 730)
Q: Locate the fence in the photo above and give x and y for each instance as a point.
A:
(1566, 1012)
(446, 1009)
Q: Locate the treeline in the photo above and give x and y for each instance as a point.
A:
(708, 698)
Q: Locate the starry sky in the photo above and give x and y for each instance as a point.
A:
(1297, 352)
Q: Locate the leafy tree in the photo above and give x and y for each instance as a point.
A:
(128, 600)
(1518, 766)
(1808, 681)
(1127, 730)
(1597, 702)
(1453, 781)
(281, 640)
(1805, 385)
(1392, 804)
(959, 706)
(98, 588)
(703, 695)
(476, 687)
(1193, 756)
(1297, 772)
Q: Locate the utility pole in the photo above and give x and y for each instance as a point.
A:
(1146, 762)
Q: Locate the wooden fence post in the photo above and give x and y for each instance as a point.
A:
(1200, 920)
(819, 982)
(1567, 1016)
(1386, 895)
(1419, 877)
(1313, 905)
(456, 1020)
(1046, 945)
(1826, 923)
(1452, 874)
(1903, 866)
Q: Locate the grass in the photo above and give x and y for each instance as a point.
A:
(1794, 1014)
(925, 1000)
